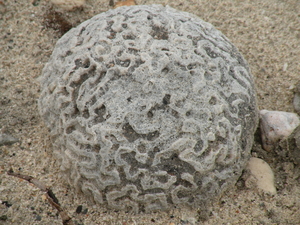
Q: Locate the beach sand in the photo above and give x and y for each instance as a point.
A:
(267, 33)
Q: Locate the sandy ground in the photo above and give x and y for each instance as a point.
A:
(267, 32)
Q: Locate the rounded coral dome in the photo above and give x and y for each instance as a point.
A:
(149, 107)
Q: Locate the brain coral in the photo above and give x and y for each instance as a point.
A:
(149, 107)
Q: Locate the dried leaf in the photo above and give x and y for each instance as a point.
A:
(124, 3)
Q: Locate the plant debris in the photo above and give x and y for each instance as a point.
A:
(66, 219)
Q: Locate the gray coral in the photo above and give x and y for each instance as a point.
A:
(149, 107)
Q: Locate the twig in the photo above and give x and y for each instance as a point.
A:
(66, 219)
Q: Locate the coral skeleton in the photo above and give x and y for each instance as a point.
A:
(149, 107)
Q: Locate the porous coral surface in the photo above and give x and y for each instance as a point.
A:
(149, 107)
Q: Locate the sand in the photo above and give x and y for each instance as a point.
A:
(267, 33)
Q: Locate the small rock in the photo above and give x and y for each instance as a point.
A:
(6, 139)
(296, 101)
(276, 125)
(262, 174)
(68, 5)
(290, 146)
(38, 218)
(79, 209)
(285, 66)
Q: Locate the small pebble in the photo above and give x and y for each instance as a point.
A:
(263, 175)
(6, 139)
(285, 66)
(38, 218)
(79, 209)
(290, 146)
(29, 141)
(276, 125)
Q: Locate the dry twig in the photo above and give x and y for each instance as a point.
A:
(66, 219)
